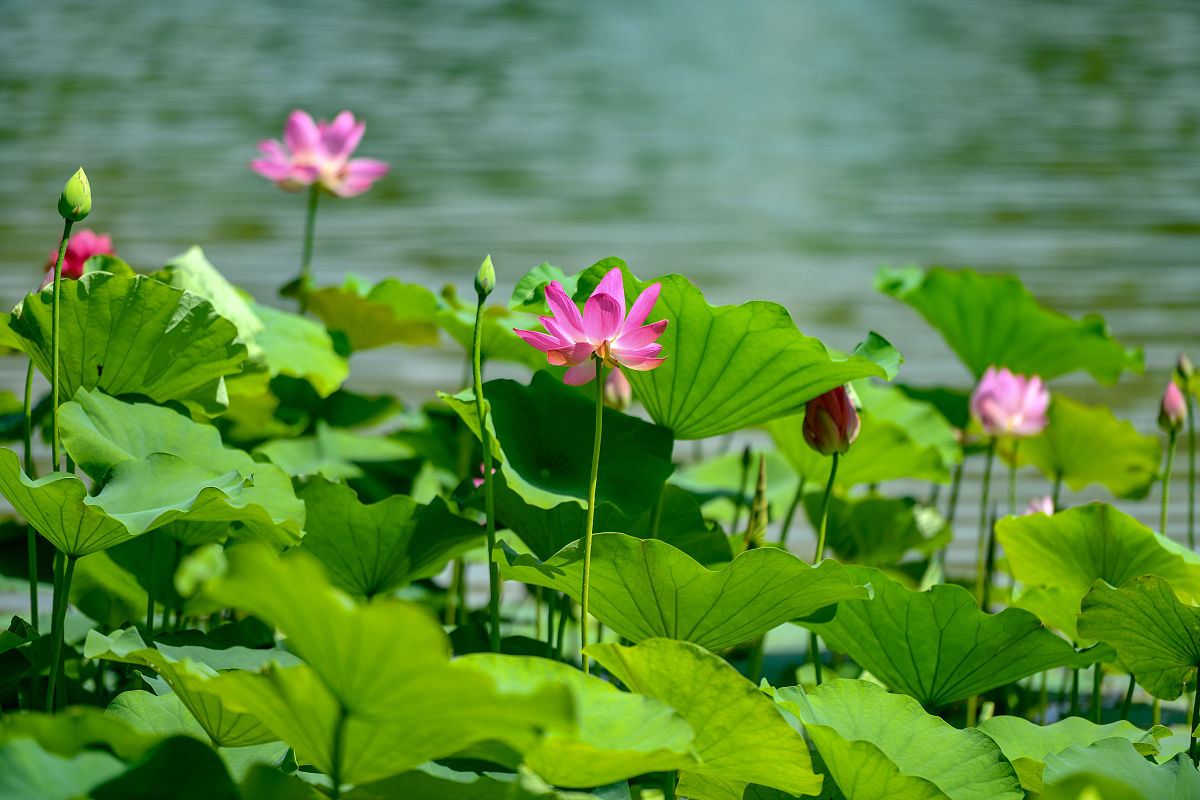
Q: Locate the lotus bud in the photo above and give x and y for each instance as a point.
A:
(75, 202)
(485, 279)
(1172, 412)
(1183, 368)
(830, 422)
(1040, 505)
(618, 393)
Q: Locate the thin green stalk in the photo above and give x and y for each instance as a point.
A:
(1166, 482)
(656, 514)
(791, 512)
(1097, 696)
(740, 501)
(61, 600)
(564, 616)
(1012, 481)
(537, 612)
(981, 559)
(54, 440)
(1074, 692)
(1044, 698)
(1193, 753)
(670, 779)
(754, 661)
(551, 602)
(1058, 478)
(955, 484)
(150, 595)
(456, 579)
(335, 766)
(489, 487)
(825, 510)
(1191, 471)
(1128, 704)
(814, 651)
(31, 471)
(310, 224)
(591, 511)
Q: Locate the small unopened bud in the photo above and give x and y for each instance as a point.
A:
(75, 202)
(1172, 412)
(830, 422)
(485, 279)
(1040, 505)
(618, 393)
(1183, 368)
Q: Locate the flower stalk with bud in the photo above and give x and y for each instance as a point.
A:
(485, 283)
(1172, 414)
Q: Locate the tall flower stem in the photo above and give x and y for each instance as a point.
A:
(1187, 395)
(1058, 479)
(31, 534)
(62, 594)
(310, 224)
(1193, 752)
(489, 489)
(150, 596)
(591, 510)
(1125, 706)
(1097, 695)
(814, 644)
(1012, 480)
(1166, 482)
(981, 558)
(791, 512)
(62, 250)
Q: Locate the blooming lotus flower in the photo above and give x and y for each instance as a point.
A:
(1172, 411)
(1005, 404)
(319, 152)
(82, 245)
(602, 330)
(1040, 505)
(831, 422)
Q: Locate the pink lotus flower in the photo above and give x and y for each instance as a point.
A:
(831, 422)
(603, 330)
(319, 152)
(1005, 404)
(1172, 411)
(1040, 505)
(82, 245)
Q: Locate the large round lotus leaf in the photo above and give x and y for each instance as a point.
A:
(993, 320)
(1156, 636)
(741, 738)
(133, 336)
(390, 312)
(1058, 558)
(937, 645)
(1122, 771)
(1084, 445)
(881, 746)
(542, 434)
(644, 589)
(301, 348)
(432, 781)
(192, 271)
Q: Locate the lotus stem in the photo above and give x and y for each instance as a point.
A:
(54, 440)
(1074, 692)
(670, 779)
(150, 596)
(814, 651)
(591, 511)
(656, 514)
(1193, 752)
(452, 591)
(791, 512)
(564, 616)
(1097, 696)
(489, 488)
(825, 510)
(31, 471)
(335, 765)
(1128, 704)
(981, 559)
(1012, 481)
(1191, 472)
(310, 224)
(1054, 492)
(754, 661)
(62, 594)
(740, 501)
(1166, 482)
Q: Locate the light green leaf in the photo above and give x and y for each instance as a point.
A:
(740, 735)
(993, 320)
(190, 270)
(880, 746)
(1058, 558)
(879, 350)
(727, 367)
(27, 772)
(189, 767)
(1084, 445)
(878, 531)
(76, 729)
(499, 341)
(530, 292)
(1027, 745)
(333, 452)
(1156, 636)
(1117, 761)
(645, 588)
(922, 420)
(433, 781)
(542, 434)
(391, 312)
(938, 646)
(620, 735)
(296, 346)
(134, 336)
(379, 548)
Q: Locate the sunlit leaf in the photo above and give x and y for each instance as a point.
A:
(530, 292)
(191, 768)
(28, 771)
(644, 589)
(993, 320)
(740, 736)
(433, 781)
(390, 312)
(192, 271)
(1118, 763)
(878, 531)
(301, 348)
(333, 452)
(499, 341)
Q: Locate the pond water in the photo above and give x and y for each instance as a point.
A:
(768, 149)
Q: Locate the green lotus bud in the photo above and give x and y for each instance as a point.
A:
(1183, 368)
(75, 202)
(485, 279)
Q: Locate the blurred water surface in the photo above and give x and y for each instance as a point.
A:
(777, 149)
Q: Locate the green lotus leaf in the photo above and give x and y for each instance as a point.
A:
(333, 452)
(299, 347)
(134, 336)
(390, 312)
(645, 588)
(379, 548)
(879, 350)
(189, 671)
(101, 433)
(76, 729)
(545, 531)
(192, 271)
(1156, 636)
(28, 771)
(1027, 745)
(542, 434)
(1083, 445)
(727, 367)
(938, 646)
(881, 746)
(530, 292)
(878, 531)
(620, 735)
(727, 476)
(1118, 764)
(1058, 558)
(740, 735)
(994, 320)
(922, 420)
(499, 341)
(191, 768)
(433, 781)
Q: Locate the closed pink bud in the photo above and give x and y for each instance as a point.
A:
(1040, 505)
(1005, 404)
(830, 422)
(1172, 412)
(618, 393)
